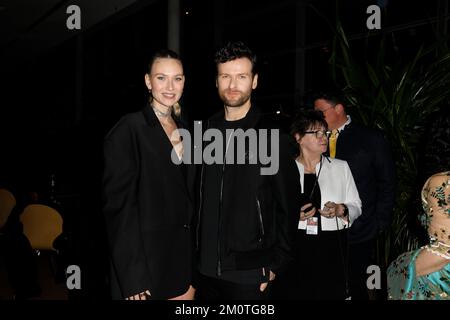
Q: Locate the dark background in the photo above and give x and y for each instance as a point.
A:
(62, 90)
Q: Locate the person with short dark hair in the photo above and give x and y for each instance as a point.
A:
(246, 219)
(330, 205)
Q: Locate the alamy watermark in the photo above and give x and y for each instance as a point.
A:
(221, 149)
(74, 20)
(374, 280)
(73, 274)
(374, 20)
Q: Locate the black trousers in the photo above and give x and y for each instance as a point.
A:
(215, 289)
(360, 258)
(319, 270)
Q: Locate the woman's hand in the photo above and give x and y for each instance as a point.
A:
(331, 210)
(306, 213)
(188, 295)
(140, 296)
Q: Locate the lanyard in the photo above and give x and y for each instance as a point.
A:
(317, 178)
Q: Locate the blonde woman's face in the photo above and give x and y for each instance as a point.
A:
(166, 81)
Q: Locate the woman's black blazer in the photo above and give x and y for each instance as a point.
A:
(148, 207)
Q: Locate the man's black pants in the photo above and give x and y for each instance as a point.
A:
(215, 289)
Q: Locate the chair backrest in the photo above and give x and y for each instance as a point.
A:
(41, 225)
(7, 203)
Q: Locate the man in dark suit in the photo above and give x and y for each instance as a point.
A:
(369, 157)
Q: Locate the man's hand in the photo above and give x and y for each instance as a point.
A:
(263, 286)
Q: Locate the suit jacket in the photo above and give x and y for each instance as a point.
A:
(148, 206)
(369, 156)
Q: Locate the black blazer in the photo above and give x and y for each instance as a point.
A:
(148, 207)
(369, 157)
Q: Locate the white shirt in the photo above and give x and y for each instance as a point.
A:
(336, 185)
(349, 119)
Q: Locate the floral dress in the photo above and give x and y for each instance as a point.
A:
(403, 284)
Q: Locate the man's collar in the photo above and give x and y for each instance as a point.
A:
(349, 119)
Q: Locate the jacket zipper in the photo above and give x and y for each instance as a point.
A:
(261, 225)
(199, 208)
(219, 267)
(219, 264)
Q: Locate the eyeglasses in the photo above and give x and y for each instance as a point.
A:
(319, 133)
(325, 110)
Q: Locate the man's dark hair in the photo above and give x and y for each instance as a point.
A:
(235, 50)
(332, 97)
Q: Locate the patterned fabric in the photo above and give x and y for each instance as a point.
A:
(436, 206)
(403, 283)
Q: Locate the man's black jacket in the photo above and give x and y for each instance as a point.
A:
(369, 157)
(258, 214)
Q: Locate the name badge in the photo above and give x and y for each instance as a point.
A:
(312, 225)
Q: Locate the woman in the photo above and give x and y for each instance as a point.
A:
(330, 204)
(147, 198)
(424, 274)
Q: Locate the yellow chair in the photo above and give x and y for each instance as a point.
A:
(7, 203)
(41, 225)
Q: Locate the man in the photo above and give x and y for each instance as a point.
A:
(370, 160)
(246, 218)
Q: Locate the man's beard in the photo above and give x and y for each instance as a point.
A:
(235, 102)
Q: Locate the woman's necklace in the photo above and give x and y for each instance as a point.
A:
(160, 113)
(439, 248)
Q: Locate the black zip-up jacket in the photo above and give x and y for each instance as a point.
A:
(258, 214)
